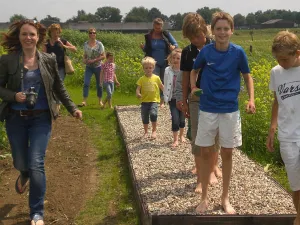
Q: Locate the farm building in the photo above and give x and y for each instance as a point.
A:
(278, 23)
(132, 27)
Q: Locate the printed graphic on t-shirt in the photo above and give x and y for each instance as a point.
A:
(287, 90)
(149, 86)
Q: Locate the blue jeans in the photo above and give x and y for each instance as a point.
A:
(109, 86)
(28, 138)
(89, 71)
(149, 109)
(178, 119)
(62, 73)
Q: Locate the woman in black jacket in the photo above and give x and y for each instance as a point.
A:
(29, 88)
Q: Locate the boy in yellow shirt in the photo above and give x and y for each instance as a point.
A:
(148, 91)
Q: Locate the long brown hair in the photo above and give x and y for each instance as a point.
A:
(10, 40)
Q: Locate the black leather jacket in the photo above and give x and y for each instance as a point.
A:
(10, 81)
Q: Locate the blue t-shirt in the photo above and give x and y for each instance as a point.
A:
(221, 77)
(33, 78)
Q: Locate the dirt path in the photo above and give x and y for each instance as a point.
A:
(71, 177)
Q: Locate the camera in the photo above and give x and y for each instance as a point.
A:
(31, 97)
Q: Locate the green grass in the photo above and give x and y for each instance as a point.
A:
(113, 202)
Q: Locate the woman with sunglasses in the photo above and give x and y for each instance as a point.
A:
(29, 88)
(93, 55)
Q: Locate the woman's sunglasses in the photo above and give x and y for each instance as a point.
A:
(92, 32)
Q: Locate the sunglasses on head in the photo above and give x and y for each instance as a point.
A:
(92, 32)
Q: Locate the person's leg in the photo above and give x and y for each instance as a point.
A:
(110, 90)
(226, 154)
(230, 137)
(62, 75)
(205, 172)
(194, 114)
(86, 85)
(208, 125)
(290, 154)
(39, 135)
(175, 122)
(17, 133)
(153, 118)
(97, 71)
(181, 126)
(145, 117)
(105, 86)
(296, 201)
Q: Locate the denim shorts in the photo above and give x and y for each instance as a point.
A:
(149, 109)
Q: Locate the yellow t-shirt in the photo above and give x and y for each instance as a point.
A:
(149, 88)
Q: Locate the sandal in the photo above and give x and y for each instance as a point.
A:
(37, 218)
(21, 182)
(82, 104)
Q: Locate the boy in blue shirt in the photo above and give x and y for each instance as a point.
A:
(221, 63)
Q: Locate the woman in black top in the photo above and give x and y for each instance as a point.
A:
(58, 46)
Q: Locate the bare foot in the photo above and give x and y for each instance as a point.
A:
(182, 139)
(174, 144)
(202, 207)
(227, 206)
(145, 135)
(218, 172)
(198, 188)
(194, 171)
(153, 135)
(213, 179)
(101, 103)
(296, 222)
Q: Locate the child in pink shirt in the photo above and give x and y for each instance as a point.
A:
(108, 77)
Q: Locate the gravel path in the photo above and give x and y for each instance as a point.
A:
(167, 185)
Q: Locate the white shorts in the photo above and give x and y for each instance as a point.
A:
(290, 154)
(228, 125)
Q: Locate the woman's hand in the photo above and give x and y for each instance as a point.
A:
(172, 47)
(20, 97)
(77, 114)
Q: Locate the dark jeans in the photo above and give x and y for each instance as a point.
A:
(89, 71)
(149, 109)
(178, 119)
(28, 137)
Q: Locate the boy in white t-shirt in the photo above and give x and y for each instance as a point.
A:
(285, 82)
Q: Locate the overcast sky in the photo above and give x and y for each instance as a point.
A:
(65, 9)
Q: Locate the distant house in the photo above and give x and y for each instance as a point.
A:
(278, 23)
(131, 27)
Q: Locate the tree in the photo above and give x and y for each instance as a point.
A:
(154, 13)
(16, 17)
(49, 20)
(108, 14)
(176, 21)
(250, 19)
(137, 14)
(239, 20)
(82, 16)
(207, 13)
